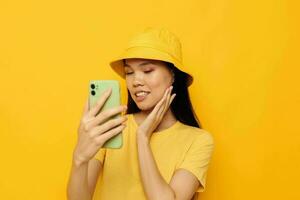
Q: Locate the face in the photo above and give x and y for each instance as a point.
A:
(151, 76)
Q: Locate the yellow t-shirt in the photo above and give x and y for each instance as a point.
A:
(179, 146)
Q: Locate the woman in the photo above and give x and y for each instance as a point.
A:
(165, 153)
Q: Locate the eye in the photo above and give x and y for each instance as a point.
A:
(127, 73)
(148, 71)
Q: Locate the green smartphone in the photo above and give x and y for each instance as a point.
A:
(96, 89)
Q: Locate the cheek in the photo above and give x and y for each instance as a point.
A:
(158, 87)
(129, 86)
(160, 78)
(157, 83)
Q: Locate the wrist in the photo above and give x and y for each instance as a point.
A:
(78, 162)
(142, 138)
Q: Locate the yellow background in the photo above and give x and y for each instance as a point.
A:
(244, 56)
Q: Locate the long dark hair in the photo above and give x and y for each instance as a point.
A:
(181, 106)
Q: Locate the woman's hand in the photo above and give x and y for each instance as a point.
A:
(147, 127)
(94, 130)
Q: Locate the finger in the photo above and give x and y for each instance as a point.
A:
(106, 136)
(164, 97)
(166, 102)
(159, 104)
(172, 98)
(169, 95)
(98, 130)
(105, 115)
(100, 102)
(86, 107)
(165, 106)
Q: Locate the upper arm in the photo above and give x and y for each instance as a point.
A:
(184, 184)
(191, 173)
(94, 170)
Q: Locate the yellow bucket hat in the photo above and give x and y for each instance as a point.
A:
(155, 44)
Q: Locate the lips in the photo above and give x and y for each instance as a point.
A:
(142, 97)
(141, 91)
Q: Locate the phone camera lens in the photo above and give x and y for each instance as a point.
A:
(93, 92)
(93, 86)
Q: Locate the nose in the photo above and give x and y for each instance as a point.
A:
(138, 80)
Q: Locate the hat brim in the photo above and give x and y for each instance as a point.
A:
(146, 53)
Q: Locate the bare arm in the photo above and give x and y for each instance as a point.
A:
(154, 185)
(94, 171)
(182, 186)
(94, 130)
(83, 179)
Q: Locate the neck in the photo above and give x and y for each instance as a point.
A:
(167, 121)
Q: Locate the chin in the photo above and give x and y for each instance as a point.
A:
(144, 106)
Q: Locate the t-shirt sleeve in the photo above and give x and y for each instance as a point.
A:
(198, 157)
(100, 155)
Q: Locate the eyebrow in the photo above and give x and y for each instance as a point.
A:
(141, 64)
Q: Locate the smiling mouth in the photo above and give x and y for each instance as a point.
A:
(141, 96)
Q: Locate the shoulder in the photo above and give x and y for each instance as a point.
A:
(199, 135)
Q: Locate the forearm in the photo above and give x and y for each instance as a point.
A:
(154, 185)
(78, 182)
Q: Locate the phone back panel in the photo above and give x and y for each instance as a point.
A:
(114, 100)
